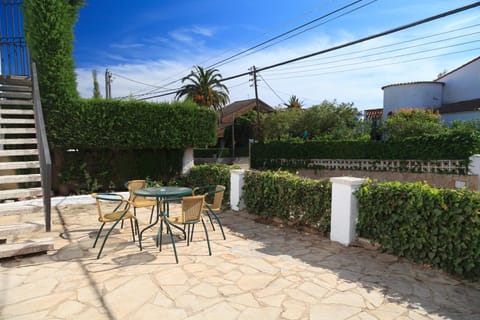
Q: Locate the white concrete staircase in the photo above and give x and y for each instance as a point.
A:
(19, 165)
(19, 169)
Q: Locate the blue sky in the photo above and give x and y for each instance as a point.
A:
(150, 43)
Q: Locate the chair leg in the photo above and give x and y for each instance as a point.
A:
(159, 235)
(173, 240)
(133, 229)
(219, 223)
(188, 234)
(98, 234)
(191, 234)
(208, 240)
(106, 237)
(151, 214)
(210, 218)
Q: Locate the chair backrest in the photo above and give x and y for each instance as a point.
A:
(192, 208)
(109, 197)
(218, 197)
(134, 185)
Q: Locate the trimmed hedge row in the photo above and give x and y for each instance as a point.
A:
(113, 124)
(224, 153)
(280, 194)
(207, 174)
(439, 227)
(453, 145)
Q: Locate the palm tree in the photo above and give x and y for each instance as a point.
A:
(205, 88)
(294, 103)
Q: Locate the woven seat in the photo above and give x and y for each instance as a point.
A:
(191, 214)
(215, 192)
(120, 212)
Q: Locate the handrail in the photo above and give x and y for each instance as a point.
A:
(43, 150)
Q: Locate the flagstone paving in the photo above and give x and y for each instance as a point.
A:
(259, 272)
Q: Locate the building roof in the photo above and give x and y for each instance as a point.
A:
(411, 83)
(456, 69)
(239, 105)
(374, 113)
(462, 106)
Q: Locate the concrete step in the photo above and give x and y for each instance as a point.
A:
(8, 230)
(8, 250)
(16, 103)
(16, 121)
(16, 111)
(19, 178)
(18, 141)
(19, 165)
(15, 88)
(13, 80)
(17, 131)
(18, 210)
(19, 152)
(15, 94)
(20, 193)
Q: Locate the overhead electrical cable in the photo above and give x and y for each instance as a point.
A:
(351, 43)
(326, 65)
(303, 31)
(222, 62)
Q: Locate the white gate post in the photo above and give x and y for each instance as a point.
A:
(474, 167)
(187, 161)
(344, 209)
(236, 189)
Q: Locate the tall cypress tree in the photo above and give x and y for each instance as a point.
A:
(49, 35)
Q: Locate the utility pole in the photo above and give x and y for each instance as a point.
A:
(257, 106)
(108, 84)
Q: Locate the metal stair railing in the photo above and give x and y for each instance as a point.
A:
(43, 150)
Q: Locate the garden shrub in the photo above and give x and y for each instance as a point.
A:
(291, 198)
(439, 227)
(208, 174)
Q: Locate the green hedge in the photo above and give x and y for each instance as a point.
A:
(453, 145)
(113, 124)
(300, 201)
(439, 227)
(224, 153)
(90, 170)
(206, 174)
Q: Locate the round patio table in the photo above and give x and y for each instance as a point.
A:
(164, 194)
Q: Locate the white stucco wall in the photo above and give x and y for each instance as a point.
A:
(412, 95)
(463, 84)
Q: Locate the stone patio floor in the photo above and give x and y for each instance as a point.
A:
(259, 272)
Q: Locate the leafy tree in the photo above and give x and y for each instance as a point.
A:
(96, 87)
(282, 124)
(204, 87)
(244, 129)
(331, 120)
(412, 122)
(294, 103)
(49, 35)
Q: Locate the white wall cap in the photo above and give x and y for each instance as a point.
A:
(349, 181)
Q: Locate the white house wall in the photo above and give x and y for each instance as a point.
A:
(411, 95)
(461, 116)
(462, 84)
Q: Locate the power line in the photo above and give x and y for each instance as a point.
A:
(377, 65)
(351, 43)
(392, 44)
(279, 72)
(303, 31)
(248, 41)
(271, 89)
(222, 62)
